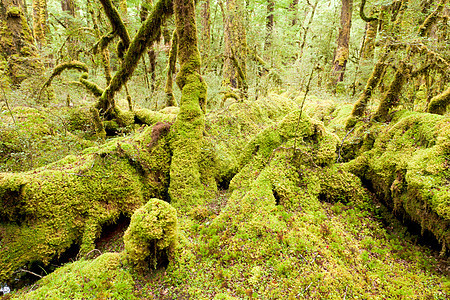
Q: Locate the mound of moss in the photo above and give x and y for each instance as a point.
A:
(152, 235)
(105, 277)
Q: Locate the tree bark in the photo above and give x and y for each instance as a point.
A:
(40, 16)
(342, 51)
(206, 30)
(269, 24)
(17, 48)
(235, 68)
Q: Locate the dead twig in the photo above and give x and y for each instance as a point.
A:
(29, 272)
(342, 143)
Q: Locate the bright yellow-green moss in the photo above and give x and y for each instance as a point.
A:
(152, 234)
(67, 202)
(102, 278)
(409, 169)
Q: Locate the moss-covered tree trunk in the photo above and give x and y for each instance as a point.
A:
(151, 50)
(40, 16)
(234, 68)
(342, 50)
(269, 24)
(185, 188)
(69, 7)
(368, 50)
(18, 54)
(171, 69)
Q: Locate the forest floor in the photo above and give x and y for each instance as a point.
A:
(280, 225)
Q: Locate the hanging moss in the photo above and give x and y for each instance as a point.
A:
(439, 103)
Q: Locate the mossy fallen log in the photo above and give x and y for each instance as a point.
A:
(408, 168)
(47, 210)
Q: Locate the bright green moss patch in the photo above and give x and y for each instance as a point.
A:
(35, 138)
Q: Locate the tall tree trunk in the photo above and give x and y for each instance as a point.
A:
(17, 50)
(307, 27)
(269, 24)
(342, 50)
(40, 16)
(69, 7)
(368, 49)
(293, 8)
(206, 30)
(171, 69)
(235, 69)
(186, 189)
(151, 50)
(104, 52)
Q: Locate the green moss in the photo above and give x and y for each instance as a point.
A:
(14, 11)
(408, 170)
(69, 201)
(152, 234)
(102, 278)
(439, 103)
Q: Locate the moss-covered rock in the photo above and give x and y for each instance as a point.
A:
(152, 234)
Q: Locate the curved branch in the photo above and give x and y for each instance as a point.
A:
(363, 15)
(90, 86)
(147, 34)
(431, 19)
(73, 65)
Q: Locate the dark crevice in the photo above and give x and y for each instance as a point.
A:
(110, 239)
(277, 197)
(29, 274)
(385, 214)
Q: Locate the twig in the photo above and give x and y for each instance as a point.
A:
(7, 105)
(93, 250)
(301, 110)
(345, 295)
(32, 273)
(342, 143)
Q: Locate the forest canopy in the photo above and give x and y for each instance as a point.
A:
(225, 149)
